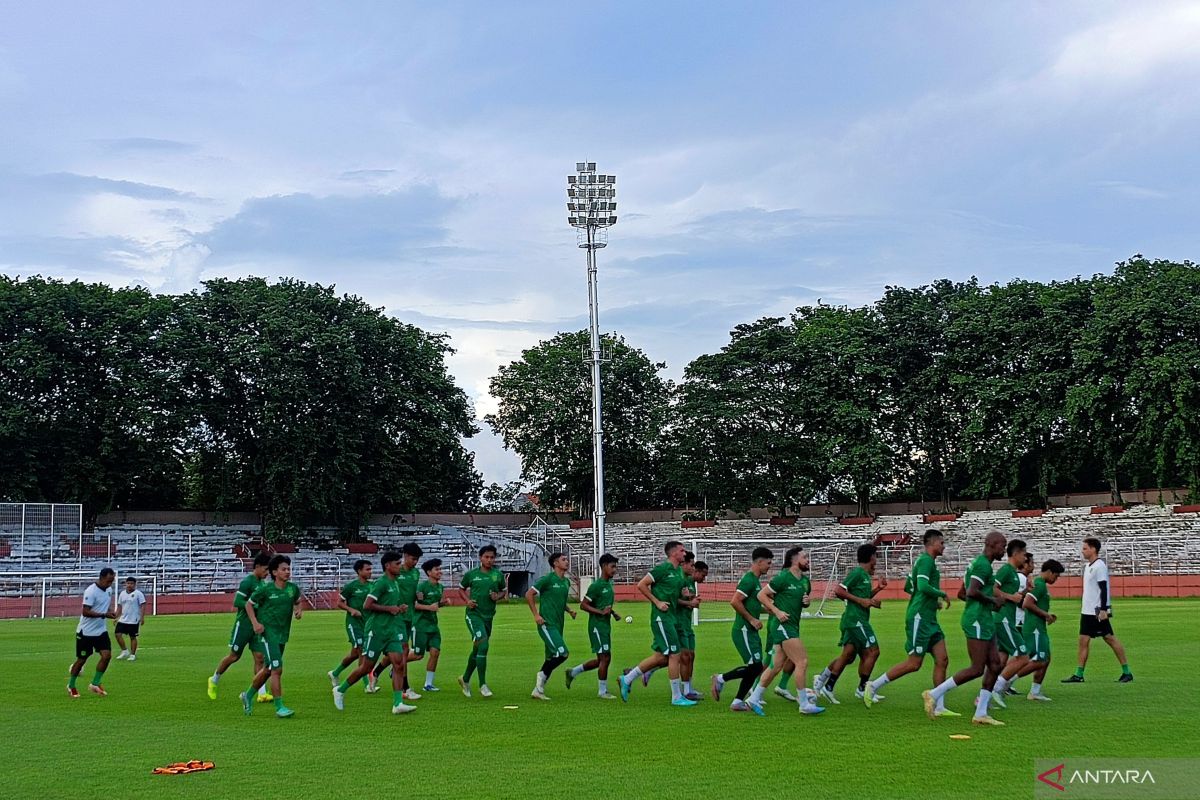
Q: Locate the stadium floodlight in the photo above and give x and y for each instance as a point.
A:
(590, 208)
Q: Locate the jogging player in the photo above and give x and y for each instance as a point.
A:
(271, 609)
(857, 635)
(243, 634)
(662, 587)
(597, 603)
(694, 573)
(351, 599)
(1036, 657)
(485, 587)
(785, 598)
(747, 639)
(91, 634)
(407, 580)
(1008, 588)
(551, 591)
(1095, 620)
(427, 636)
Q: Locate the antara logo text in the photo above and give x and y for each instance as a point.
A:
(1058, 776)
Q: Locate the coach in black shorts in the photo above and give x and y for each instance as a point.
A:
(1095, 619)
(91, 634)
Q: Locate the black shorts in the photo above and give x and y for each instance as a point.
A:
(128, 628)
(86, 645)
(1089, 625)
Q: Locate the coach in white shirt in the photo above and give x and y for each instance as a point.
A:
(129, 623)
(1095, 620)
(91, 634)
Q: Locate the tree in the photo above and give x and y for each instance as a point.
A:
(498, 498)
(544, 415)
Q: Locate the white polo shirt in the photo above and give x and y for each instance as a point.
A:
(1023, 583)
(1093, 573)
(131, 606)
(99, 601)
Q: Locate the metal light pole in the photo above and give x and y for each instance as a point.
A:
(592, 207)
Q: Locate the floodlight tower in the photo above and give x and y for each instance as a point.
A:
(592, 208)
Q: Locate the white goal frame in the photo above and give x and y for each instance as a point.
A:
(819, 551)
(41, 588)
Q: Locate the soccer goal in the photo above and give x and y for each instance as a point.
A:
(728, 560)
(42, 595)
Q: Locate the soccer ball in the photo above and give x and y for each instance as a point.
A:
(628, 620)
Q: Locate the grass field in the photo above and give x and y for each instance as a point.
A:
(577, 745)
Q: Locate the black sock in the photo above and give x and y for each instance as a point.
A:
(862, 682)
(749, 678)
(735, 674)
(550, 664)
(833, 679)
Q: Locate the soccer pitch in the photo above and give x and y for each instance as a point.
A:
(577, 745)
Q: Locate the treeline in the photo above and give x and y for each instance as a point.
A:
(283, 398)
(948, 390)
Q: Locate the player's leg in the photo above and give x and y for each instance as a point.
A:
(83, 650)
(397, 657)
(555, 652)
(979, 651)
(103, 645)
(1118, 649)
(1085, 642)
(665, 644)
(797, 654)
(257, 651)
(866, 665)
(133, 643)
(120, 643)
(827, 678)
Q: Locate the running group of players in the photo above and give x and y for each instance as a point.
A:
(392, 620)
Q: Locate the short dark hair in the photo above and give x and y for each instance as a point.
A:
(761, 552)
(865, 551)
(1093, 543)
(688, 556)
(671, 545)
(277, 560)
(360, 563)
(1014, 545)
(104, 573)
(1028, 557)
(388, 558)
(131, 580)
(487, 548)
(262, 560)
(608, 558)
(701, 566)
(791, 554)
(412, 549)
(1050, 565)
(431, 564)
(550, 559)
(930, 535)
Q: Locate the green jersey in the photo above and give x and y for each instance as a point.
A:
(667, 583)
(980, 572)
(857, 584)
(384, 591)
(244, 590)
(273, 607)
(789, 593)
(688, 591)
(428, 594)
(407, 580)
(479, 584)
(600, 595)
(1041, 595)
(748, 587)
(1007, 578)
(925, 582)
(552, 593)
(354, 594)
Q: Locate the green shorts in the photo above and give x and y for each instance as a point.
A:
(664, 632)
(242, 635)
(355, 631)
(779, 632)
(272, 653)
(552, 640)
(748, 644)
(1009, 638)
(861, 636)
(685, 634)
(480, 628)
(380, 643)
(426, 639)
(920, 635)
(600, 638)
(1037, 643)
(982, 628)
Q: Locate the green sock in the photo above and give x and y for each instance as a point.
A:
(784, 681)
(397, 698)
(1125, 669)
(481, 668)
(71, 681)
(344, 686)
(1079, 672)
(278, 703)
(337, 671)
(96, 679)
(470, 668)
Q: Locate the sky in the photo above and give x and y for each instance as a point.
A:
(769, 155)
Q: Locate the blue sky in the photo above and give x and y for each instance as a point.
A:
(768, 154)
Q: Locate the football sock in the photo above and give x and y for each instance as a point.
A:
(337, 671)
(278, 703)
(862, 682)
(880, 682)
(470, 668)
(71, 681)
(1079, 672)
(756, 696)
(541, 681)
(577, 670)
(941, 704)
(687, 687)
(632, 675)
(481, 668)
(1001, 685)
(1035, 689)
(981, 707)
(676, 690)
(603, 686)
(216, 676)
(397, 698)
(99, 675)
(832, 681)
(784, 681)
(943, 687)
(826, 677)
(429, 677)
(1125, 669)
(262, 689)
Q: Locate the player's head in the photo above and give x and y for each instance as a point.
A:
(993, 545)
(689, 562)
(699, 571)
(107, 576)
(934, 542)
(280, 567)
(1051, 569)
(1091, 548)
(487, 556)
(796, 557)
(558, 561)
(760, 560)
(1016, 551)
(390, 561)
(674, 551)
(362, 568)
(412, 553)
(261, 562)
(1027, 567)
(433, 568)
(608, 566)
(130, 584)
(867, 555)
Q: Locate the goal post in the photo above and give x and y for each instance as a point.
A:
(729, 559)
(45, 595)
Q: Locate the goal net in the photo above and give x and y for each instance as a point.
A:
(42, 595)
(729, 559)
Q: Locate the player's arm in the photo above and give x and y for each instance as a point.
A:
(420, 606)
(842, 593)
(1003, 595)
(529, 598)
(1030, 605)
(88, 611)
(297, 606)
(974, 591)
(585, 603)
(879, 587)
(924, 586)
(254, 623)
(739, 606)
(375, 606)
(689, 601)
(499, 596)
(466, 587)
(766, 596)
(342, 606)
(1103, 611)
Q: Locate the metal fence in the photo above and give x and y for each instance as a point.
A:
(43, 533)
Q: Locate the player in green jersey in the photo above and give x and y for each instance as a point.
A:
(1036, 657)
(597, 603)
(980, 603)
(785, 597)
(385, 633)
(427, 637)
(351, 599)
(922, 633)
(485, 587)
(745, 634)
(547, 600)
(857, 636)
(407, 580)
(271, 609)
(1007, 586)
(695, 573)
(243, 634)
(662, 587)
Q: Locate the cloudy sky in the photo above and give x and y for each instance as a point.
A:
(768, 154)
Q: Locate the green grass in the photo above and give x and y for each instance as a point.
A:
(576, 745)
